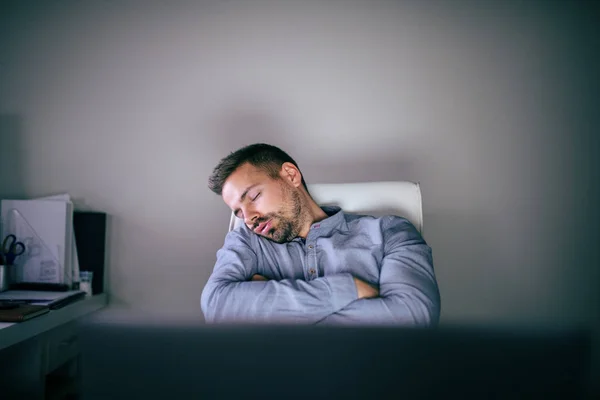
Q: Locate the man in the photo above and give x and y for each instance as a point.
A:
(293, 261)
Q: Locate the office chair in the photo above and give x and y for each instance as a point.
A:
(401, 198)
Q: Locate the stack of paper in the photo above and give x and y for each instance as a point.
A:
(45, 226)
(53, 300)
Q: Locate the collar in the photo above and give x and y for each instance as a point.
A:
(335, 221)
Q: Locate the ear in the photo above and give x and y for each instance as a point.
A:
(291, 174)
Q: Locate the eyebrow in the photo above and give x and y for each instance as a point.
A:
(243, 196)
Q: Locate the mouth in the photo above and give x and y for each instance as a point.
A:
(263, 228)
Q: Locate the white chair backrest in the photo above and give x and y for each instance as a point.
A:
(401, 198)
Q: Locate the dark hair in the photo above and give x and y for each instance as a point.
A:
(261, 155)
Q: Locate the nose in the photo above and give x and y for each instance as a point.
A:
(250, 216)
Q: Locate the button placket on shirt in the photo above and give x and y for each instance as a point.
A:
(311, 255)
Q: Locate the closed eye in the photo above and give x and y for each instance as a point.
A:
(238, 212)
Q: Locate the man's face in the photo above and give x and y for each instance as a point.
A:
(270, 207)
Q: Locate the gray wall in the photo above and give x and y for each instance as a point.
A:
(128, 105)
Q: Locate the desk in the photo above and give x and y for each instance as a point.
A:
(39, 357)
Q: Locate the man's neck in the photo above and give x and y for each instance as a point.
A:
(314, 214)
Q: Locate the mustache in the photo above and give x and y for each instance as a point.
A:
(261, 220)
(264, 219)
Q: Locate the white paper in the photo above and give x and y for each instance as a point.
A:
(71, 258)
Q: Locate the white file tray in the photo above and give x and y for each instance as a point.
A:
(39, 263)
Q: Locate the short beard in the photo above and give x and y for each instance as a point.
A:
(290, 225)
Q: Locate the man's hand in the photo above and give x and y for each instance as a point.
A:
(257, 277)
(365, 290)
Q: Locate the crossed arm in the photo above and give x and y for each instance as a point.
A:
(407, 292)
(232, 295)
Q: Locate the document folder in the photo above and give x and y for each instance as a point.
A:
(22, 312)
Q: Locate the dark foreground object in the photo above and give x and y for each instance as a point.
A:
(267, 362)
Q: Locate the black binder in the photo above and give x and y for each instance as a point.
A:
(90, 237)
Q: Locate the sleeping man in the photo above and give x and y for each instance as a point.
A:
(293, 261)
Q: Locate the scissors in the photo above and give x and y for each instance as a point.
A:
(11, 248)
